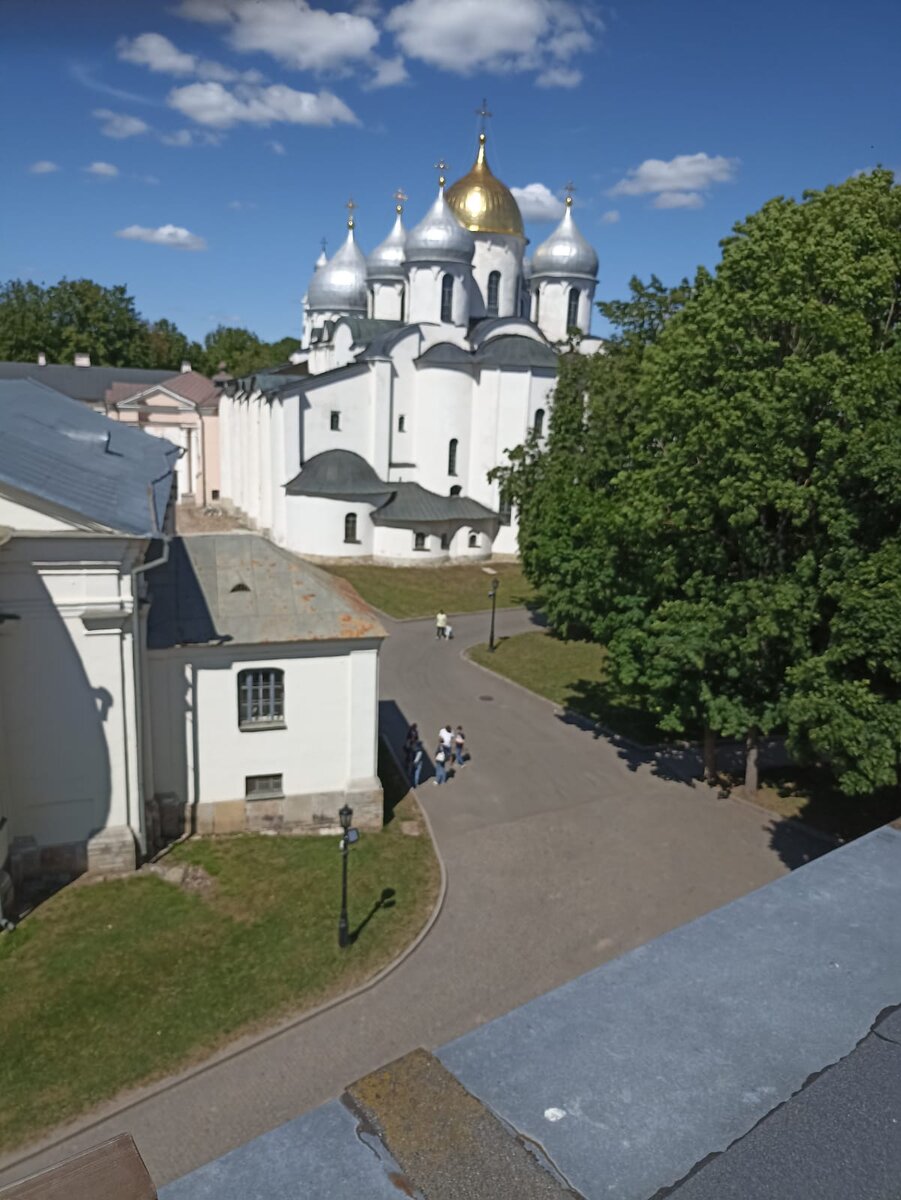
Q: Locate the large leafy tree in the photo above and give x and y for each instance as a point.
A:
(739, 524)
(70, 317)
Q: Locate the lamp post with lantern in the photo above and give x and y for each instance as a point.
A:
(350, 836)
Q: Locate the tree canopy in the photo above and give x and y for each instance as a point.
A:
(80, 316)
(720, 496)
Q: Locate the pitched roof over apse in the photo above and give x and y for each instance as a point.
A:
(414, 504)
(446, 354)
(364, 329)
(241, 589)
(339, 475)
(59, 451)
(81, 383)
(514, 350)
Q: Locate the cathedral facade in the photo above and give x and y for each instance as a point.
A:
(420, 367)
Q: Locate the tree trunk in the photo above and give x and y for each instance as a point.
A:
(752, 766)
(710, 775)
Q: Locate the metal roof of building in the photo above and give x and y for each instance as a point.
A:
(513, 350)
(339, 475)
(364, 329)
(240, 589)
(59, 451)
(81, 383)
(414, 504)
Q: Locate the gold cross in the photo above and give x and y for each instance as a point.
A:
(484, 113)
(350, 206)
(400, 197)
(441, 166)
(569, 187)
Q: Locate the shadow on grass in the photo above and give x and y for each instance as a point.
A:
(386, 900)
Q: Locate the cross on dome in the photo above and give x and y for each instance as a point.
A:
(441, 166)
(569, 187)
(400, 197)
(350, 206)
(484, 114)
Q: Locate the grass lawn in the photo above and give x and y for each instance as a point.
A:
(109, 985)
(421, 591)
(572, 675)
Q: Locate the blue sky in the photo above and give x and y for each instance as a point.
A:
(197, 151)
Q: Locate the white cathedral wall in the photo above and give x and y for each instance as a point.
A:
(388, 299)
(424, 292)
(67, 687)
(315, 526)
(351, 399)
(551, 301)
(443, 409)
(503, 253)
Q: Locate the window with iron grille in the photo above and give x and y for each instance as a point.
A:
(334, 420)
(494, 287)
(447, 298)
(261, 698)
(256, 787)
(572, 309)
(419, 541)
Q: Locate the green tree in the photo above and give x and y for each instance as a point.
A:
(726, 524)
(167, 347)
(23, 321)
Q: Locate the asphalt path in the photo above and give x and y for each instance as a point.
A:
(562, 850)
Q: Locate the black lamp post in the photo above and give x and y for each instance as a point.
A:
(495, 584)
(345, 816)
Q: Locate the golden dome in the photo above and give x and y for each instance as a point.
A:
(481, 203)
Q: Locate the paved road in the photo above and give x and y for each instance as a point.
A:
(560, 853)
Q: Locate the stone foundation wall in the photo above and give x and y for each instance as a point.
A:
(110, 851)
(315, 812)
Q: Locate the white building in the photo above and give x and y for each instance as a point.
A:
(421, 367)
(263, 689)
(255, 705)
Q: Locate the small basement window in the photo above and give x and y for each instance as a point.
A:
(401, 423)
(261, 787)
(473, 541)
(419, 541)
(334, 420)
(445, 541)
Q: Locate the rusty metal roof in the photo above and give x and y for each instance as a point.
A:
(238, 588)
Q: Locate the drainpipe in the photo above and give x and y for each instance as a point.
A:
(137, 659)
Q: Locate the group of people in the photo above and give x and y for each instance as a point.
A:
(450, 751)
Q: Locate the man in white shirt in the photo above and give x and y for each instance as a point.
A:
(446, 737)
(441, 624)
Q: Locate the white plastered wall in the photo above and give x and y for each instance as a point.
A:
(329, 739)
(502, 253)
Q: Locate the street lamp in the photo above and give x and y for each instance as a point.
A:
(492, 592)
(345, 816)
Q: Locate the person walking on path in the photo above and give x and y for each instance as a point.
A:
(441, 624)
(459, 744)
(440, 765)
(418, 763)
(446, 738)
(410, 746)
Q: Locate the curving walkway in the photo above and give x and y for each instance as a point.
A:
(560, 854)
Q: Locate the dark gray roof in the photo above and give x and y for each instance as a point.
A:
(60, 451)
(383, 343)
(241, 589)
(507, 350)
(446, 354)
(413, 504)
(364, 329)
(340, 475)
(515, 350)
(81, 383)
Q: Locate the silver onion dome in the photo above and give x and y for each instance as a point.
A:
(387, 259)
(566, 252)
(340, 285)
(439, 236)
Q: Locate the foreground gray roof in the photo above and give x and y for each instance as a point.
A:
(240, 588)
(413, 504)
(754, 1054)
(512, 350)
(82, 383)
(59, 451)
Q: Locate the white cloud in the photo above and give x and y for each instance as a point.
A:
(43, 167)
(610, 217)
(679, 200)
(151, 179)
(119, 125)
(104, 169)
(241, 205)
(156, 52)
(388, 72)
(191, 137)
(684, 173)
(84, 75)
(567, 77)
(166, 235)
(276, 147)
(470, 35)
(214, 105)
(292, 31)
(537, 202)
